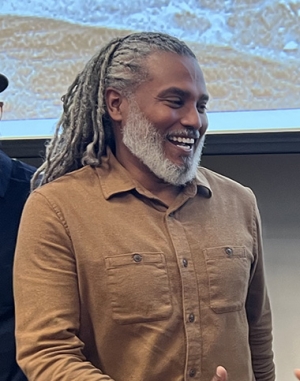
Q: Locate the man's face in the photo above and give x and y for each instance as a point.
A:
(147, 144)
(166, 119)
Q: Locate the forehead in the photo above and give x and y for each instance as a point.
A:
(171, 70)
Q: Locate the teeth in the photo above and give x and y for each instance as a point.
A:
(182, 140)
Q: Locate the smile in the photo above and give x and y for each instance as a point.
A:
(182, 142)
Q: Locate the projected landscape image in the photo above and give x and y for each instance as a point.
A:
(249, 50)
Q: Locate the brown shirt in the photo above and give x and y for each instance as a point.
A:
(110, 284)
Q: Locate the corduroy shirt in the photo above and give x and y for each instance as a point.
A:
(111, 284)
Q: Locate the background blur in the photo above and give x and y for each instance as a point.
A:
(249, 49)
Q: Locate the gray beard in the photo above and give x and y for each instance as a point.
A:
(146, 143)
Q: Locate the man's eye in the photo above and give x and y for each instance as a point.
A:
(175, 102)
(202, 108)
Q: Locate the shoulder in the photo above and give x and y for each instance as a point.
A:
(15, 176)
(74, 184)
(5, 172)
(72, 194)
(21, 171)
(225, 187)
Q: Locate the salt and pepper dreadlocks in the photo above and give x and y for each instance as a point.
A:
(84, 130)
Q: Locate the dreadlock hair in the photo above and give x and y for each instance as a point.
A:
(84, 129)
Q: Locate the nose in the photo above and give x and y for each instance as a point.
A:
(194, 119)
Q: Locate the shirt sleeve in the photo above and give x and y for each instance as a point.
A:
(259, 311)
(47, 299)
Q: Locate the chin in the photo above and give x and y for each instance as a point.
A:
(179, 171)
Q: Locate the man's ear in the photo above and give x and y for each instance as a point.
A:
(115, 103)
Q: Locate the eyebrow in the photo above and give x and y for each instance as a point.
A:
(182, 93)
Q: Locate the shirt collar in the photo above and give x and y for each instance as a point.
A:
(114, 178)
(5, 172)
(202, 183)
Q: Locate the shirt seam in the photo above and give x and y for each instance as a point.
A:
(57, 211)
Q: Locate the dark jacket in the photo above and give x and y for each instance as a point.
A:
(14, 190)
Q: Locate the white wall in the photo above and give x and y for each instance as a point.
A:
(275, 179)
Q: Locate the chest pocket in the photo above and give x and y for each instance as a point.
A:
(138, 285)
(228, 270)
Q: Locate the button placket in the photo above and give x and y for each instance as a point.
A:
(189, 290)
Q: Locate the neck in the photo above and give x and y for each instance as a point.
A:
(141, 173)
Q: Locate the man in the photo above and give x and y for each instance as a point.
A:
(14, 189)
(132, 263)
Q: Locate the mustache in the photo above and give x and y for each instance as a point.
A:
(186, 133)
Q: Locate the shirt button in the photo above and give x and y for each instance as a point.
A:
(192, 372)
(191, 318)
(185, 262)
(137, 257)
(229, 251)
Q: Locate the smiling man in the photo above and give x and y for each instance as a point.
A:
(159, 130)
(133, 262)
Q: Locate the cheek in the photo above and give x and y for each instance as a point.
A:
(164, 120)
